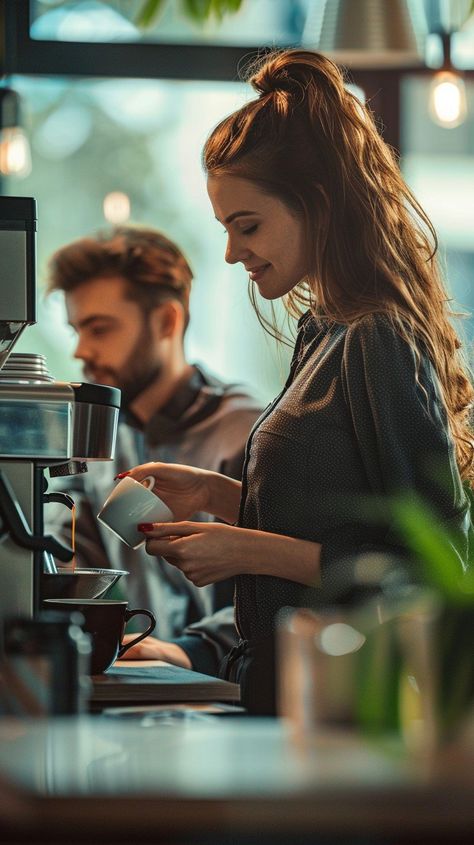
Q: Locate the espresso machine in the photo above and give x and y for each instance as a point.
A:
(46, 427)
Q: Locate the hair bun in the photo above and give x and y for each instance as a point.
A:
(270, 79)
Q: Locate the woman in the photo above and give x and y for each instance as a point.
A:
(376, 403)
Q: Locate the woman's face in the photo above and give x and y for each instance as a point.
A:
(262, 234)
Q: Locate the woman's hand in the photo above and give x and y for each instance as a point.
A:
(205, 552)
(185, 490)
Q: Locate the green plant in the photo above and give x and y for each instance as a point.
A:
(198, 11)
(435, 547)
(452, 582)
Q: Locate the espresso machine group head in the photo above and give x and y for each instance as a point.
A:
(44, 424)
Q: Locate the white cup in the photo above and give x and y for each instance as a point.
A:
(130, 503)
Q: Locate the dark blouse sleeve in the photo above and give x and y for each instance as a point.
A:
(400, 428)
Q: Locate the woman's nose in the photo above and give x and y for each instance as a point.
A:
(235, 252)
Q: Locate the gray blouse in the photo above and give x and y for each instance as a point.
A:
(356, 423)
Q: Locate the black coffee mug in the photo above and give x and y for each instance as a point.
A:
(105, 620)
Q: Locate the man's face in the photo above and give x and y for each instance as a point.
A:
(116, 342)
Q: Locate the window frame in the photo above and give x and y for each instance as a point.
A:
(208, 62)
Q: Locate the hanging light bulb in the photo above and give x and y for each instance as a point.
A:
(116, 207)
(15, 158)
(447, 95)
(447, 99)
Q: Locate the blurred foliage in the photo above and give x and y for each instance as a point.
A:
(390, 686)
(198, 11)
(437, 551)
(452, 580)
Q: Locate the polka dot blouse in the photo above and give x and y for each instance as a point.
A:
(357, 421)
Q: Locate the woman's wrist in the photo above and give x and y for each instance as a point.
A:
(223, 496)
(283, 557)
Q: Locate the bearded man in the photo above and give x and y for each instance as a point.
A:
(127, 298)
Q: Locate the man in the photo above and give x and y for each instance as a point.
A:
(127, 298)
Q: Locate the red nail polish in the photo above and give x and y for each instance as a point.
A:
(145, 526)
(121, 475)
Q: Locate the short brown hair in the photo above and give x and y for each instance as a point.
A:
(154, 268)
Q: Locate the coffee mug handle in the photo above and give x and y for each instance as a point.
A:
(128, 615)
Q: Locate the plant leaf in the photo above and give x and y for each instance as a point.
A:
(149, 12)
(198, 10)
(432, 544)
(223, 7)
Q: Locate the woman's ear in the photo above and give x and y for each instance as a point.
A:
(168, 319)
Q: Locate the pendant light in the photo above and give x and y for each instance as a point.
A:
(15, 158)
(447, 95)
(363, 33)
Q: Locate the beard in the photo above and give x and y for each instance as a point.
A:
(139, 371)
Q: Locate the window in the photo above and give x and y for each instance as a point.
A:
(142, 138)
(438, 164)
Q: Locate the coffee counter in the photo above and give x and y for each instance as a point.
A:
(203, 779)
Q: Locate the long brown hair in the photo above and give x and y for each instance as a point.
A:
(371, 248)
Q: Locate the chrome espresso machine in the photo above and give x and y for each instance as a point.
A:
(46, 427)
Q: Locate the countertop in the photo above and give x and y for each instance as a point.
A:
(194, 778)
